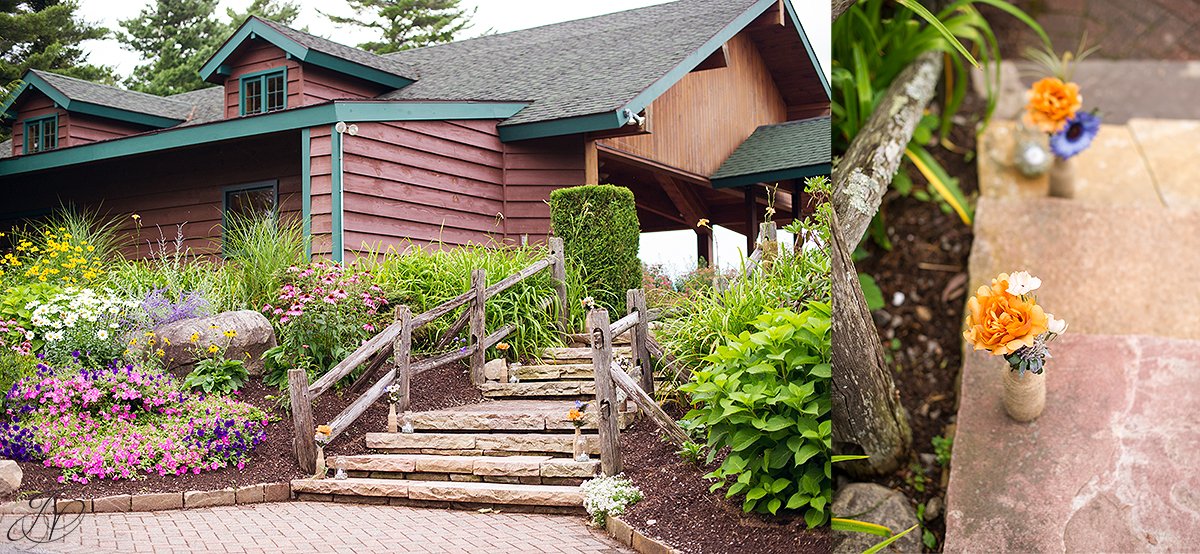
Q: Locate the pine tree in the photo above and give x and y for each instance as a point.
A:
(280, 12)
(407, 23)
(176, 37)
(45, 34)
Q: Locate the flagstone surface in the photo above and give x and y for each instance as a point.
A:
(1110, 466)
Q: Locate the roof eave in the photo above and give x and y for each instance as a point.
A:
(253, 28)
(32, 80)
(799, 172)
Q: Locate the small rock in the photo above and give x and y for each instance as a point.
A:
(496, 370)
(651, 521)
(924, 314)
(898, 298)
(928, 459)
(875, 504)
(10, 477)
(933, 508)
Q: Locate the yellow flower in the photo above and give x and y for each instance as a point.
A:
(161, 353)
(195, 337)
(136, 217)
(230, 334)
(703, 222)
(212, 349)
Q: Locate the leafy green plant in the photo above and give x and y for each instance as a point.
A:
(765, 396)
(874, 40)
(214, 373)
(599, 227)
(692, 452)
(927, 536)
(916, 477)
(942, 446)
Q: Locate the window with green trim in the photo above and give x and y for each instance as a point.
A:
(265, 91)
(245, 204)
(41, 134)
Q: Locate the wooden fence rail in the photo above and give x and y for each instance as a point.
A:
(395, 342)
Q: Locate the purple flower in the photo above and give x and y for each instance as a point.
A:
(1076, 136)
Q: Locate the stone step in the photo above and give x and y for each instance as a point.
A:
(581, 340)
(536, 470)
(556, 372)
(575, 355)
(441, 491)
(539, 389)
(477, 444)
(509, 415)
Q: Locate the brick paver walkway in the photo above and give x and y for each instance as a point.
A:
(1124, 29)
(288, 527)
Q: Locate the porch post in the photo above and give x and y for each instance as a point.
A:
(751, 218)
(797, 189)
(704, 246)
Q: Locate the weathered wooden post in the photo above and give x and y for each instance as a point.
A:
(302, 419)
(558, 272)
(606, 393)
(639, 337)
(401, 348)
(478, 323)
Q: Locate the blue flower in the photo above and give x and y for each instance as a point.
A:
(1076, 136)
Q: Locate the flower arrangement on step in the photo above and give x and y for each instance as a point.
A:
(1005, 319)
(1054, 107)
(393, 421)
(576, 417)
(322, 436)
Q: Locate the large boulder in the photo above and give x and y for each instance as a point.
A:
(10, 477)
(253, 336)
(875, 504)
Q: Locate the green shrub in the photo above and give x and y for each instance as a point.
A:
(258, 251)
(600, 229)
(765, 396)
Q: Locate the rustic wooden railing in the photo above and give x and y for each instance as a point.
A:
(609, 377)
(395, 343)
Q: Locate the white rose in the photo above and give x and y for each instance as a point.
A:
(1022, 282)
(1056, 326)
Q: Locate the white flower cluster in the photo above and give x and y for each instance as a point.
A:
(608, 496)
(74, 307)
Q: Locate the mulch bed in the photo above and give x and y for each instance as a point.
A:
(922, 335)
(678, 509)
(272, 461)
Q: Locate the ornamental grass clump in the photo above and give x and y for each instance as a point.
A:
(122, 422)
(608, 496)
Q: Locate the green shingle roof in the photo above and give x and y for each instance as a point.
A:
(784, 147)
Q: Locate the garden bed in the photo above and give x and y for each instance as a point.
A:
(273, 460)
(923, 334)
(688, 517)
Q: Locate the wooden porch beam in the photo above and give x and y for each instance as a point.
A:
(591, 163)
(751, 192)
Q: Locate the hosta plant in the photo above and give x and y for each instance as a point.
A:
(765, 396)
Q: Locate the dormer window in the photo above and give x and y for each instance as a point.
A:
(41, 134)
(265, 91)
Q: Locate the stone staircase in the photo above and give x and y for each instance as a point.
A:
(512, 452)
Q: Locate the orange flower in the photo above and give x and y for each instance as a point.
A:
(1051, 103)
(502, 346)
(574, 415)
(1001, 322)
(324, 429)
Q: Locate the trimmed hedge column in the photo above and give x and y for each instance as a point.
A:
(600, 229)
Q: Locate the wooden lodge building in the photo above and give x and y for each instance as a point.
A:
(698, 106)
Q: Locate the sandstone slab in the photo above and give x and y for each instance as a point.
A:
(1169, 150)
(435, 441)
(513, 466)
(277, 492)
(353, 487)
(249, 494)
(566, 467)
(496, 493)
(205, 499)
(1109, 466)
(156, 501)
(496, 370)
(538, 388)
(456, 420)
(1106, 269)
(117, 503)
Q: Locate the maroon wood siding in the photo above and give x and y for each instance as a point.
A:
(182, 187)
(320, 177)
(532, 170)
(424, 181)
(260, 56)
(323, 85)
(82, 129)
(33, 105)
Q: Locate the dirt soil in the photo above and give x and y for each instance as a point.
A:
(924, 283)
(274, 460)
(679, 510)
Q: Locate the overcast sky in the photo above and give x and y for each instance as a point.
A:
(675, 250)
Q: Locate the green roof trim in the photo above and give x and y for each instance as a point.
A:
(772, 176)
(36, 82)
(812, 56)
(615, 119)
(256, 28)
(284, 120)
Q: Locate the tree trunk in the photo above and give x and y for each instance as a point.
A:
(864, 172)
(840, 7)
(867, 415)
